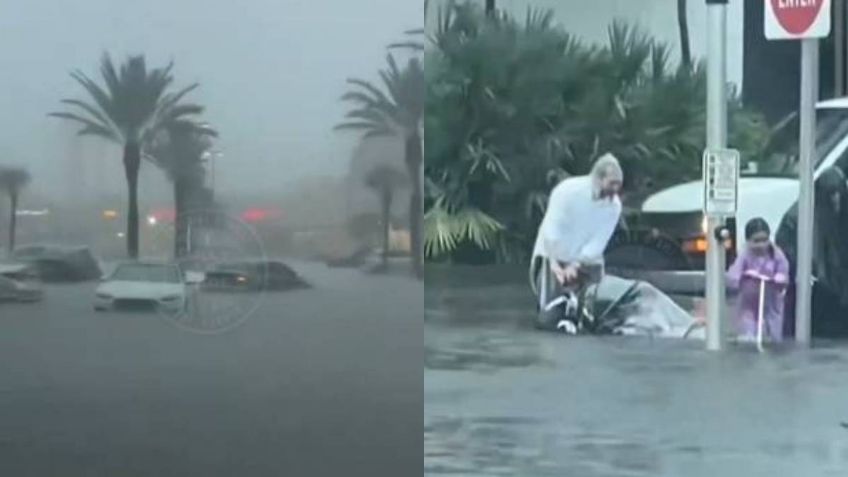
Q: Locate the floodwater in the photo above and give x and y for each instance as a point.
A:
(503, 399)
(313, 382)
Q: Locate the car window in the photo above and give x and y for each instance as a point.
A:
(147, 273)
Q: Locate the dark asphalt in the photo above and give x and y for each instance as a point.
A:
(504, 400)
(316, 382)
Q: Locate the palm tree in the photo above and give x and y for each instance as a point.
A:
(490, 7)
(12, 181)
(384, 180)
(181, 153)
(133, 107)
(399, 111)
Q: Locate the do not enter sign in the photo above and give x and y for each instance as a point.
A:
(797, 19)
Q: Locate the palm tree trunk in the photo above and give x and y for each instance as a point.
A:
(683, 25)
(179, 225)
(386, 199)
(13, 219)
(414, 159)
(132, 163)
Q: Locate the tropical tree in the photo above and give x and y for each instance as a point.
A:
(181, 152)
(12, 181)
(135, 104)
(399, 110)
(385, 180)
(515, 106)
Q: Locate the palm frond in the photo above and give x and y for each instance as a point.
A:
(445, 229)
(94, 130)
(80, 119)
(407, 45)
(99, 116)
(103, 100)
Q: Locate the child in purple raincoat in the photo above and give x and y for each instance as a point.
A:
(761, 260)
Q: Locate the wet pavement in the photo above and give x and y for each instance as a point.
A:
(502, 399)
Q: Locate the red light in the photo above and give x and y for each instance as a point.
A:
(254, 215)
(163, 215)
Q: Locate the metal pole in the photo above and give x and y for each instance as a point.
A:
(839, 47)
(716, 139)
(806, 197)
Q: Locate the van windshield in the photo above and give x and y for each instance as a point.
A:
(831, 128)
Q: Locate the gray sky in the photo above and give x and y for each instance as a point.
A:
(271, 73)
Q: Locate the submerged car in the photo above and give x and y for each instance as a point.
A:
(253, 276)
(19, 283)
(143, 286)
(55, 263)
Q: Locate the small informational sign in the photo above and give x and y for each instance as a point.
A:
(797, 19)
(721, 182)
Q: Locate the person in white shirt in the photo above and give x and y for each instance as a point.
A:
(580, 220)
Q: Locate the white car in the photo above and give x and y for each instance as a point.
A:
(18, 283)
(140, 285)
(675, 214)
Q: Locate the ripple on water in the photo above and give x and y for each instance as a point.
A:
(484, 351)
(531, 447)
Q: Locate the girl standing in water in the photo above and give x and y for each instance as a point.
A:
(761, 260)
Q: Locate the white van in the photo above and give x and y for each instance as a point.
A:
(674, 220)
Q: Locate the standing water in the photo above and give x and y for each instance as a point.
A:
(504, 399)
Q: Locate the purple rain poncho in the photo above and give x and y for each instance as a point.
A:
(774, 266)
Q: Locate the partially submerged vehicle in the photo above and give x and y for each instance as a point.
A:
(19, 283)
(55, 263)
(259, 275)
(144, 286)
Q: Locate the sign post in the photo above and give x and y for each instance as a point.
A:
(716, 141)
(721, 182)
(805, 20)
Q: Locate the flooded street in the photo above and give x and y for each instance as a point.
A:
(503, 399)
(292, 390)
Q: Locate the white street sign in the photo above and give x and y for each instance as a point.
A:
(721, 182)
(797, 19)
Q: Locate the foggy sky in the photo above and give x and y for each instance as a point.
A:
(271, 73)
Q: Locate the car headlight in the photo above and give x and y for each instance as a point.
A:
(171, 298)
(104, 296)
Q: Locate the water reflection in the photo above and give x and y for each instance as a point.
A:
(503, 399)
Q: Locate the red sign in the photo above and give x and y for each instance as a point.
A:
(796, 16)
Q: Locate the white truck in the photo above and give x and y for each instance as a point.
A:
(671, 226)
